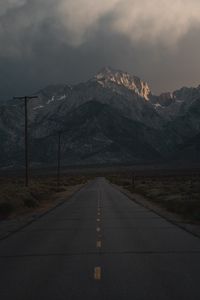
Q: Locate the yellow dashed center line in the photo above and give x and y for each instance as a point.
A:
(97, 273)
(97, 270)
(98, 229)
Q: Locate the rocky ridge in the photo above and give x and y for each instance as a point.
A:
(111, 118)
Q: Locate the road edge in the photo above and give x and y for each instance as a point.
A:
(161, 212)
(34, 218)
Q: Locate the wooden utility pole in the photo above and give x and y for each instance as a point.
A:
(59, 160)
(133, 179)
(26, 144)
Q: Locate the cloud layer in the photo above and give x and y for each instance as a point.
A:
(139, 20)
(69, 40)
(155, 21)
(7, 5)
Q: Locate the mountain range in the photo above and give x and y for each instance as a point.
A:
(112, 118)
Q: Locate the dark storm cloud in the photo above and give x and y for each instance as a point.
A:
(50, 41)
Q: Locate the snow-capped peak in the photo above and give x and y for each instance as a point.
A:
(108, 75)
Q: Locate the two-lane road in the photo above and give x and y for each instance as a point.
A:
(100, 245)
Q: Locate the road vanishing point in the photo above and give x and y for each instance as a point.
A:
(100, 245)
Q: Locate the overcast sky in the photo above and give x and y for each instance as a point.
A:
(68, 41)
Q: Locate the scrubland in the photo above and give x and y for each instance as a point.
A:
(16, 199)
(177, 194)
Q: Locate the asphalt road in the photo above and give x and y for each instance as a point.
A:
(100, 245)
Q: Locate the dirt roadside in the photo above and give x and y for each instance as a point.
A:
(171, 217)
(16, 222)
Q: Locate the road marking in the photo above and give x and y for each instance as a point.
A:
(98, 213)
(97, 273)
(98, 229)
(98, 220)
(98, 244)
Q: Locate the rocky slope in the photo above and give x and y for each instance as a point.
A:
(111, 118)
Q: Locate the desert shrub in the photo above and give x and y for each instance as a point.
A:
(30, 202)
(125, 183)
(6, 208)
(196, 215)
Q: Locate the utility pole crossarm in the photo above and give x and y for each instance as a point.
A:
(25, 97)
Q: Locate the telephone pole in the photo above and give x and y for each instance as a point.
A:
(26, 144)
(133, 179)
(59, 160)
